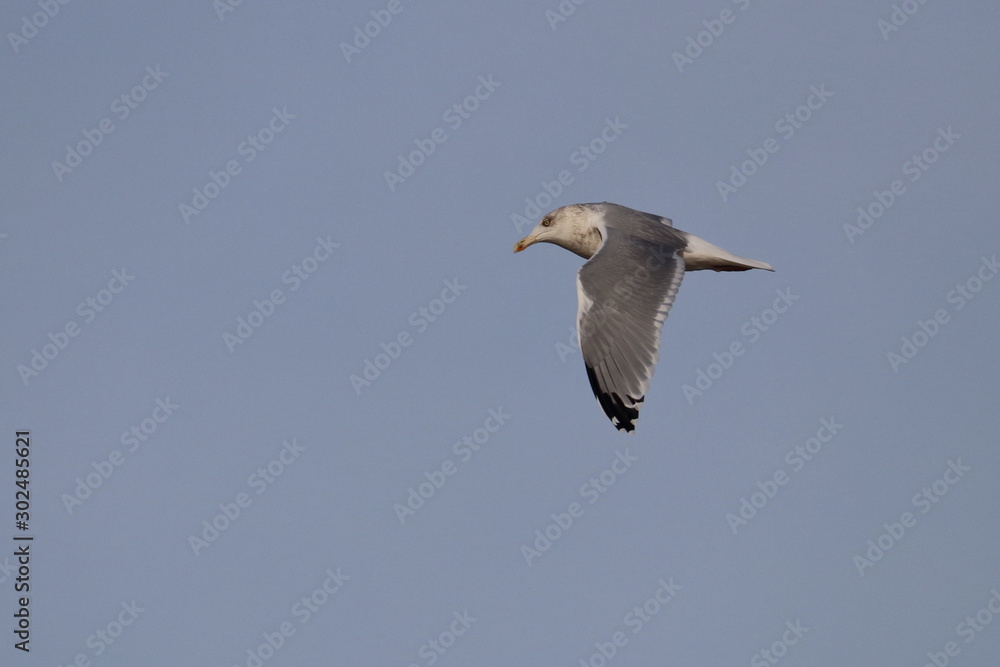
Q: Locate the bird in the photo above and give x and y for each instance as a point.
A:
(635, 263)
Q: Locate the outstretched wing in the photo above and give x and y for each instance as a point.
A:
(625, 291)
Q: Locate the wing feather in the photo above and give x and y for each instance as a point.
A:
(625, 292)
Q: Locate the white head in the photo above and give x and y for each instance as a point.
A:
(576, 227)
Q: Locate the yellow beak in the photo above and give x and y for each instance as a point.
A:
(525, 242)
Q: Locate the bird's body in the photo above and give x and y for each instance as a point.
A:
(635, 265)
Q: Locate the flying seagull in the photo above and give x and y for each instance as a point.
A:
(636, 262)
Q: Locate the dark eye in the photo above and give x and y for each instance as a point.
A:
(546, 222)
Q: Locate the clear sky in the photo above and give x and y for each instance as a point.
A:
(292, 399)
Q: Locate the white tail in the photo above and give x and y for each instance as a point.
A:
(700, 254)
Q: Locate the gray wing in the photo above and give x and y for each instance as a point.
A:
(625, 292)
(633, 221)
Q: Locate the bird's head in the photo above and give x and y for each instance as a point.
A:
(575, 227)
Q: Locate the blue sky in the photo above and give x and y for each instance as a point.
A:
(214, 216)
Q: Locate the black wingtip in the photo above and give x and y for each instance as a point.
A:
(621, 415)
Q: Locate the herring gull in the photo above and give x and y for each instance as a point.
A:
(635, 264)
